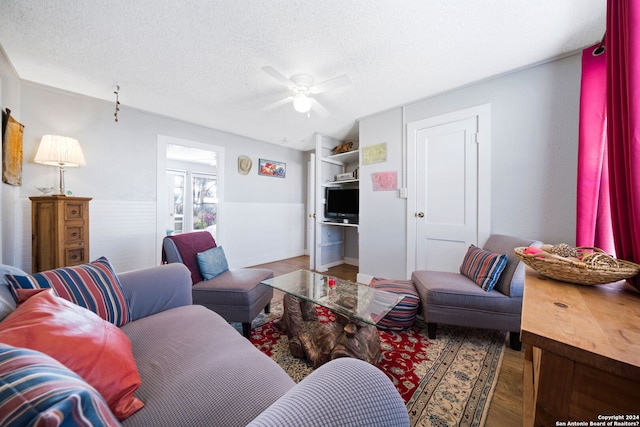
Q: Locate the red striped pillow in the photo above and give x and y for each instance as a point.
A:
(483, 267)
(35, 389)
(93, 286)
(402, 315)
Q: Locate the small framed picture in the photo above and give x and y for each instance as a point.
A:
(272, 168)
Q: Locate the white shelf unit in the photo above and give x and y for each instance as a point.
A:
(336, 242)
(340, 224)
(339, 183)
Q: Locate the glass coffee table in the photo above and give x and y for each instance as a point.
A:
(357, 309)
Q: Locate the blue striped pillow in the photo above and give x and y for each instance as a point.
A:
(402, 315)
(93, 286)
(35, 389)
(483, 267)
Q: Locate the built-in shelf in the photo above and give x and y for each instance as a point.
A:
(340, 182)
(343, 158)
(340, 224)
(334, 240)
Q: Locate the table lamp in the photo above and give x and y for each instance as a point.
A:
(61, 151)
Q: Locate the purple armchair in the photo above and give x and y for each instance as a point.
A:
(237, 295)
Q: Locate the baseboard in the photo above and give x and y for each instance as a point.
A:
(326, 267)
(352, 261)
(265, 258)
(364, 278)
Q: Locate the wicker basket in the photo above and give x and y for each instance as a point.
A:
(576, 271)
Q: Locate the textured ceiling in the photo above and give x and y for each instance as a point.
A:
(200, 60)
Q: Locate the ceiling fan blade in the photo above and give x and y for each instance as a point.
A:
(333, 83)
(318, 108)
(278, 103)
(277, 75)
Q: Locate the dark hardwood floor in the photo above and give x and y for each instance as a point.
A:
(506, 404)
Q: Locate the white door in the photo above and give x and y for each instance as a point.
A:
(450, 191)
(212, 207)
(311, 210)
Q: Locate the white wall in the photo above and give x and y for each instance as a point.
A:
(534, 160)
(382, 213)
(9, 98)
(120, 176)
(534, 156)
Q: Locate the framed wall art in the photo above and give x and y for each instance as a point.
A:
(272, 168)
(374, 153)
(385, 181)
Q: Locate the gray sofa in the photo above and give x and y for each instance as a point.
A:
(197, 370)
(451, 298)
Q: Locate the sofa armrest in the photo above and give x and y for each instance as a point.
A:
(517, 281)
(343, 392)
(155, 289)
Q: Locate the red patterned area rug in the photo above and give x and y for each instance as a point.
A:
(448, 381)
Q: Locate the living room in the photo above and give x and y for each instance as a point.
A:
(534, 125)
(524, 119)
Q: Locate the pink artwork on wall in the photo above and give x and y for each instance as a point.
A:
(385, 181)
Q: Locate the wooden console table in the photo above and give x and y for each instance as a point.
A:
(582, 359)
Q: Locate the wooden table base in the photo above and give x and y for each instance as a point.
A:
(319, 343)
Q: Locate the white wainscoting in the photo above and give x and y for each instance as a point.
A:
(23, 235)
(122, 231)
(257, 233)
(125, 233)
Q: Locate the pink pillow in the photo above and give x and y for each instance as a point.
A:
(91, 347)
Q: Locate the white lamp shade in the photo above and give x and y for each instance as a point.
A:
(301, 103)
(58, 150)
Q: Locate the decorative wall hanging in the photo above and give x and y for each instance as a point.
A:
(11, 149)
(117, 92)
(272, 168)
(374, 153)
(244, 165)
(385, 181)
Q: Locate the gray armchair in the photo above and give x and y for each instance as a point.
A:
(237, 294)
(453, 299)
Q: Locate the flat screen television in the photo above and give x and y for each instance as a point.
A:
(341, 204)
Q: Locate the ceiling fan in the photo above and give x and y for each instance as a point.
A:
(302, 86)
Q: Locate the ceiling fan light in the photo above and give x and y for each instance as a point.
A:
(301, 103)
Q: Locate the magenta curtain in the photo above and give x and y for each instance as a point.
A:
(623, 125)
(593, 223)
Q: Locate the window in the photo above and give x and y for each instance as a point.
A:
(205, 201)
(193, 201)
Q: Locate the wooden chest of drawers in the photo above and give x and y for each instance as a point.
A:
(60, 231)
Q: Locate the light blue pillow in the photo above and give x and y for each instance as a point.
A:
(7, 303)
(212, 262)
(8, 269)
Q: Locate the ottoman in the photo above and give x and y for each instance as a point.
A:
(402, 316)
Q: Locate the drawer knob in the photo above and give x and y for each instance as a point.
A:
(73, 212)
(74, 234)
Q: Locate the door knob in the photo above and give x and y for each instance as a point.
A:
(420, 214)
